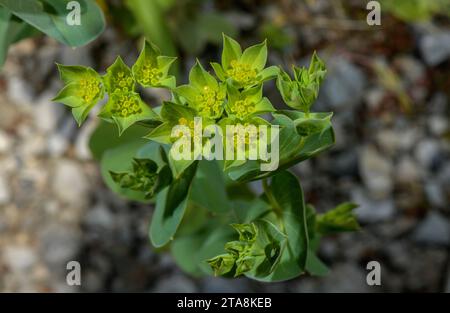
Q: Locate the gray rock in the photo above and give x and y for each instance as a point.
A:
(59, 244)
(435, 194)
(435, 47)
(5, 193)
(438, 103)
(175, 283)
(407, 171)
(82, 150)
(59, 141)
(5, 142)
(19, 258)
(434, 230)
(344, 85)
(374, 97)
(372, 210)
(47, 113)
(92, 281)
(412, 69)
(389, 140)
(57, 145)
(427, 152)
(376, 172)
(217, 284)
(19, 91)
(100, 217)
(438, 125)
(346, 278)
(69, 183)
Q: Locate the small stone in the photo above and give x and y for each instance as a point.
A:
(389, 140)
(345, 277)
(82, 150)
(19, 258)
(100, 217)
(47, 113)
(59, 244)
(374, 97)
(371, 210)
(433, 230)
(438, 103)
(407, 171)
(409, 137)
(221, 285)
(435, 194)
(70, 184)
(435, 47)
(5, 142)
(32, 146)
(438, 125)
(5, 194)
(427, 152)
(57, 145)
(19, 91)
(344, 85)
(412, 69)
(92, 281)
(376, 172)
(175, 283)
(59, 141)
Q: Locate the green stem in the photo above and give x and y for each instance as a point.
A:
(273, 203)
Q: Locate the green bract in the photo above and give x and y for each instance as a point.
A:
(301, 92)
(142, 178)
(151, 68)
(82, 91)
(119, 78)
(248, 102)
(204, 93)
(125, 109)
(244, 69)
(205, 212)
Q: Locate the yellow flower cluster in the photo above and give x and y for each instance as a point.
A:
(209, 101)
(241, 73)
(125, 106)
(242, 108)
(183, 121)
(244, 134)
(149, 75)
(89, 89)
(124, 82)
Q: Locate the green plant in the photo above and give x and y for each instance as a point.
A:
(416, 10)
(172, 25)
(20, 19)
(205, 211)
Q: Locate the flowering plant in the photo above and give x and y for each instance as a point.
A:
(177, 156)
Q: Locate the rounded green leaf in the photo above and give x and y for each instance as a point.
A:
(171, 204)
(50, 17)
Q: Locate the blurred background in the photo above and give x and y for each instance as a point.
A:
(389, 86)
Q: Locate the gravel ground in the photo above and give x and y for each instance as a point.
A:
(391, 157)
